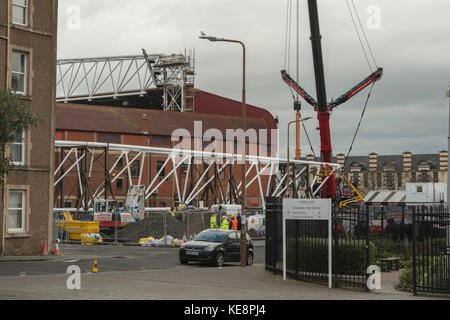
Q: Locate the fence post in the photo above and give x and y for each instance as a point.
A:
(296, 231)
(367, 243)
(188, 234)
(414, 249)
(275, 236)
(335, 266)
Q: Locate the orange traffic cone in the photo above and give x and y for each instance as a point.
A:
(184, 237)
(95, 267)
(195, 234)
(56, 251)
(44, 249)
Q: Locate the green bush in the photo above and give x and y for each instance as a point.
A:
(313, 256)
(428, 268)
(406, 280)
(386, 248)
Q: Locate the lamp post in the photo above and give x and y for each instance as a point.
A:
(447, 93)
(288, 155)
(243, 250)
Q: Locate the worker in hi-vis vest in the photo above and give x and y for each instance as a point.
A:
(233, 224)
(224, 223)
(213, 221)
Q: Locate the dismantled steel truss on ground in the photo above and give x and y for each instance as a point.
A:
(212, 170)
(90, 79)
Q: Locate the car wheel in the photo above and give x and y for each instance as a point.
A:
(219, 259)
(250, 259)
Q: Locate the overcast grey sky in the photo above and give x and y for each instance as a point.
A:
(408, 109)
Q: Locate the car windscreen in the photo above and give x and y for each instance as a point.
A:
(211, 236)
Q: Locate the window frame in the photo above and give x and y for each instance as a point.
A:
(117, 184)
(25, 73)
(23, 193)
(159, 165)
(23, 144)
(135, 169)
(26, 8)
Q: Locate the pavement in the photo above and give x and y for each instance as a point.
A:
(181, 283)
(136, 273)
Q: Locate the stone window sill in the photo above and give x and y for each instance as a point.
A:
(18, 235)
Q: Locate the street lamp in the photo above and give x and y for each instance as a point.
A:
(288, 155)
(447, 94)
(244, 128)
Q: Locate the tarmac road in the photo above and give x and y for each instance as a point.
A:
(110, 258)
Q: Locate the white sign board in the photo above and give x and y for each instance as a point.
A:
(308, 209)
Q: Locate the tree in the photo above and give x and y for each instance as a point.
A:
(15, 117)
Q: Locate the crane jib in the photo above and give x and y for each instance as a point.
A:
(375, 76)
(294, 85)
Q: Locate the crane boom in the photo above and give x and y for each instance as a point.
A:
(294, 85)
(375, 76)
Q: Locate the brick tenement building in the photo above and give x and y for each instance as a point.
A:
(392, 172)
(153, 128)
(28, 36)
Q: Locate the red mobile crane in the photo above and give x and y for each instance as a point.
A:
(322, 107)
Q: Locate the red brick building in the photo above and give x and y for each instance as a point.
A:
(152, 128)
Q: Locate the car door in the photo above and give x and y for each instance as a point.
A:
(235, 247)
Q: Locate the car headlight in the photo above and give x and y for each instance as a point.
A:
(209, 248)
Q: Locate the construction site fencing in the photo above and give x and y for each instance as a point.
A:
(178, 225)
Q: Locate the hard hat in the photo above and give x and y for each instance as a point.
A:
(232, 217)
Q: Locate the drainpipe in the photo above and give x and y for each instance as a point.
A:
(7, 86)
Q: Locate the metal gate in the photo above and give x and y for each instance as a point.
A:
(307, 246)
(431, 249)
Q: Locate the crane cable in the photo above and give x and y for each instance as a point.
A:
(287, 58)
(358, 34)
(287, 43)
(368, 62)
(359, 125)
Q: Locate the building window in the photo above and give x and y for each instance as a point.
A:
(389, 181)
(205, 169)
(119, 184)
(435, 176)
(16, 211)
(413, 177)
(19, 72)
(119, 164)
(135, 168)
(355, 178)
(108, 137)
(424, 176)
(366, 180)
(400, 180)
(379, 180)
(20, 12)
(68, 204)
(159, 165)
(184, 169)
(17, 149)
